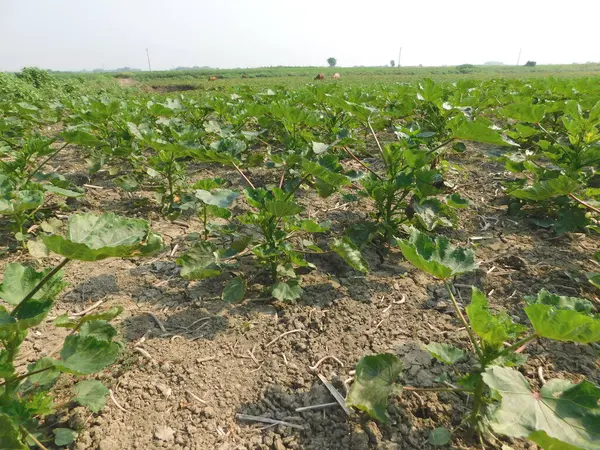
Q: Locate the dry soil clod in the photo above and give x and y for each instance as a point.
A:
(283, 335)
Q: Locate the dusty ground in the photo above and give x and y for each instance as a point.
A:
(181, 387)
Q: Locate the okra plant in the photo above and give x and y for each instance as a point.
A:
(560, 415)
(559, 155)
(272, 231)
(25, 184)
(91, 345)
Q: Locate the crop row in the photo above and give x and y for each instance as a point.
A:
(382, 144)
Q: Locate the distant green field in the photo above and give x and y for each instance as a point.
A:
(294, 76)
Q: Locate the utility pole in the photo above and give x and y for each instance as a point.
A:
(399, 56)
(519, 58)
(148, 55)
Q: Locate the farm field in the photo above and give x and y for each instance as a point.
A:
(425, 243)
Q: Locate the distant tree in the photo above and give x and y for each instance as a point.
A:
(530, 64)
(332, 62)
(465, 68)
(393, 63)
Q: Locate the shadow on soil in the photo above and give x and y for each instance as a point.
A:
(92, 289)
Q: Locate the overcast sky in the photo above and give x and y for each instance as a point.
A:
(88, 34)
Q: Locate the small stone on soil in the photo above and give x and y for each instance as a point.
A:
(164, 433)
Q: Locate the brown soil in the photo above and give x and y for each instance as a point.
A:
(174, 88)
(126, 82)
(214, 361)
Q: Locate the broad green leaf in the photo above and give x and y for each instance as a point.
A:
(323, 173)
(543, 190)
(373, 384)
(236, 247)
(456, 201)
(37, 249)
(82, 138)
(282, 208)
(64, 436)
(563, 325)
(561, 302)
(92, 238)
(548, 443)
(63, 321)
(84, 355)
(10, 438)
(22, 201)
(129, 183)
(107, 315)
(30, 314)
(439, 436)
(234, 290)
(349, 253)
(222, 198)
(510, 360)
(524, 112)
(459, 147)
(319, 147)
(494, 329)
(286, 271)
(61, 191)
(42, 380)
(563, 410)
(525, 131)
(310, 226)
(100, 329)
(19, 280)
(479, 132)
(91, 393)
(202, 261)
(51, 225)
(431, 212)
(135, 131)
(286, 291)
(570, 220)
(40, 403)
(437, 257)
(446, 353)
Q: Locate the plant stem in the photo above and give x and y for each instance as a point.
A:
(443, 144)
(43, 163)
(362, 163)
(243, 176)
(477, 402)
(464, 321)
(414, 389)
(377, 141)
(548, 133)
(518, 344)
(42, 282)
(282, 179)
(587, 205)
(28, 374)
(33, 438)
(205, 221)
(324, 252)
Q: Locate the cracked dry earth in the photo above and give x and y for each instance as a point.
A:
(186, 375)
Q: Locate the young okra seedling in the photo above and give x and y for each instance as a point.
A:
(271, 231)
(561, 415)
(26, 396)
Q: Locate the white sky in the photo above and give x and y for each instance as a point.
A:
(88, 34)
